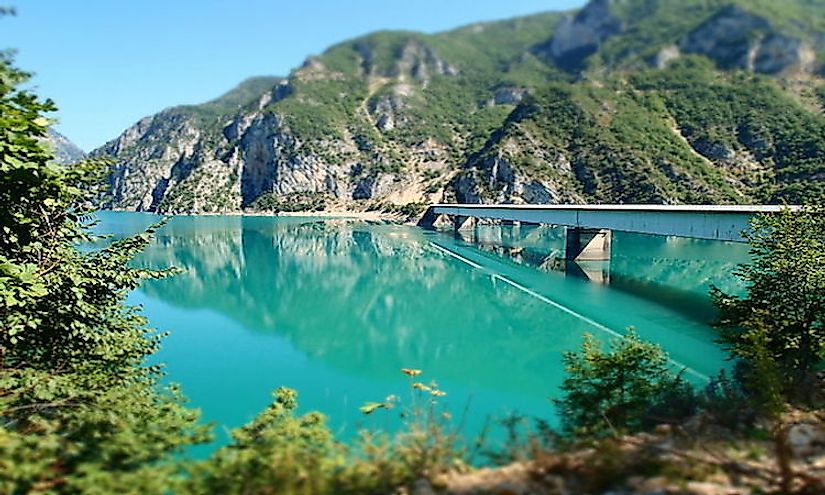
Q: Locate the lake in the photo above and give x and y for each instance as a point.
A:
(335, 308)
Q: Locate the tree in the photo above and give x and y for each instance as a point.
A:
(624, 389)
(80, 412)
(778, 327)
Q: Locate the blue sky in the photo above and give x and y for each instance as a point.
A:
(109, 63)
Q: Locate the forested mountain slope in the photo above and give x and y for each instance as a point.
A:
(659, 101)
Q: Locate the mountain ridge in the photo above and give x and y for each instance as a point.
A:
(557, 106)
(64, 150)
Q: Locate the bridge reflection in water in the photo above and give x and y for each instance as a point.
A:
(589, 228)
(336, 308)
(673, 271)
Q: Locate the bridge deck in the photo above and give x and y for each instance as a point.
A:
(715, 222)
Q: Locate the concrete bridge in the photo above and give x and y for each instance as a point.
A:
(589, 226)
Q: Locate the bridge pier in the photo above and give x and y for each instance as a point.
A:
(584, 244)
(593, 271)
(464, 223)
(712, 222)
(427, 221)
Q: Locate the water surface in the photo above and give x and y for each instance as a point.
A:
(335, 308)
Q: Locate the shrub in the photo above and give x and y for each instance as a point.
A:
(625, 389)
(294, 202)
(728, 403)
(275, 453)
(409, 210)
(281, 453)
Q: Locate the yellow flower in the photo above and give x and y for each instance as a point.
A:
(371, 407)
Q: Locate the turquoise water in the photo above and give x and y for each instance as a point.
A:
(335, 308)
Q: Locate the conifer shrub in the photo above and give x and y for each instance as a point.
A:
(627, 388)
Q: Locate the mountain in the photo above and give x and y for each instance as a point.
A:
(65, 151)
(635, 101)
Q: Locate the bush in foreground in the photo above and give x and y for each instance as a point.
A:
(80, 412)
(627, 388)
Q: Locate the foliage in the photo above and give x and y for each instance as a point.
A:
(275, 453)
(79, 410)
(408, 211)
(727, 401)
(320, 110)
(625, 389)
(750, 114)
(621, 131)
(425, 447)
(300, 201)
(687, 134)
(778, 328)
(525, 438)
(282, 453)
(651, 24)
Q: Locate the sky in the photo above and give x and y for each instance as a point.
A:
(108, 63)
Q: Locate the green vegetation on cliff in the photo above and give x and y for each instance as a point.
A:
(636, 101)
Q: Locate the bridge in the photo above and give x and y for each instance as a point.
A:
(589, 227)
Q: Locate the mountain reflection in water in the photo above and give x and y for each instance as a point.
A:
(335, 308)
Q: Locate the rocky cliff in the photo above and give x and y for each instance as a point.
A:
(65, 151)
(621, 101)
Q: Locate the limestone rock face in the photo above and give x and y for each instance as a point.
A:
(666, 55)
(273, 160)
(168, 164)
(65, 151)
(777, 53)
(737, 39)
(373, 186)
(387, 110)
(493, 179)
(164, 145)
(508, 95)
(465, 190)
(581, 35)
(539, 109)
(225, 154)
(414, 59)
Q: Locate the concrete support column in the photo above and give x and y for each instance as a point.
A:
(427, 221)
(587, 244)
(460, 222)
(594, 271)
